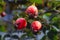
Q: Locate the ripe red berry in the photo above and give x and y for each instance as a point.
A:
(32, 11)
(36, 26)
(21, 23)
(3, 14)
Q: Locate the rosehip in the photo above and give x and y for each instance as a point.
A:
(21, 23)
(32, 11)
(36, 26)
(3, 14)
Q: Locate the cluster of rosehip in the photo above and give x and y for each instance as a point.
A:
(35, 25)
(21, 23)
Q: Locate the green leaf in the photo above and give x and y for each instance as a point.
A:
(52, 34)
(43, 38)
(56, 21)
(56, 2)
(46, 16)
(1, 9)
(55, 37)
(2, 28)
(23, 36)
(2, 2)
(29, 32)
(36, 1)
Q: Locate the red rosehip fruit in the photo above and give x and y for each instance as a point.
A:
(32, 11)
(21, 23)
(3, 14)
(36, 26)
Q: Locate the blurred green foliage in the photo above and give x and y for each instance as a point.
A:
(42, 17)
